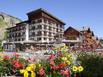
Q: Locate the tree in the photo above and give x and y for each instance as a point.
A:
(92, 63)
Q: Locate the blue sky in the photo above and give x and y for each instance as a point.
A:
(76, 13)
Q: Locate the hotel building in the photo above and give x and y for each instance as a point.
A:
(82, 38)
(40, 28)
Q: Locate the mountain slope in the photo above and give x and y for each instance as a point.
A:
(6, 21)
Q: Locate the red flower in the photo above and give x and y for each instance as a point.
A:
(52, 67)
(17, 64)
(65, 73)
(62, 65)
(41, 71)
(56, 67)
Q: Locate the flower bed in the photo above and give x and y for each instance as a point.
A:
(59, 64)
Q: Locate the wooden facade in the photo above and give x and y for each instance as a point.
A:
(71, 32)
(83, 38)
(72, 37)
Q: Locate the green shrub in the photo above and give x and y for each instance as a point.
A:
(92, 63)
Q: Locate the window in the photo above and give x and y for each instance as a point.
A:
(33, 21)
(23, 33)
(57, 30)
(60, 30)
(53, 29)
(71, 38)
(45, 26)
(49, 28)
(45, 33)
(50, 39)
(31, 38)
(61, 26)
(33, 28)
(45, 38)
(19, 34)
(18, 39)
(22, 39)
(49, 34)
(45, 20)
(39, 20)
(50, 22)
(39, 26)
(38, 39)
(61, 35)
(33, 33)
(39, 33)
(15, 39)
(21, 27)
(30, 33)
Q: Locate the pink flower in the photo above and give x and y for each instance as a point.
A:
(31, 60)
(6, 57)
(41, 72)
(16, 55)
(65, 73)
(52, 57)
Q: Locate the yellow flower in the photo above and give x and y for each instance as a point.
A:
(64, 58)
(68, 62)
(65, 46)
(1, 59)
(69, 55)
(26, 74)
(28, 68)
(80, 68)
(1, 55)
(33, 74)
(74, 68)
(73, 58)
(39, 65)
(32, 66)
(22, 71)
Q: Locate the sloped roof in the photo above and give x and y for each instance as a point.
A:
(72, 28)
(43, 10)
(80, 29)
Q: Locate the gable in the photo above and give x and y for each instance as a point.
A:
(71, 32)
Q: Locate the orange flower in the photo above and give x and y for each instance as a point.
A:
(52, 62)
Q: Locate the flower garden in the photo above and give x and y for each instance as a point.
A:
(61, 63)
